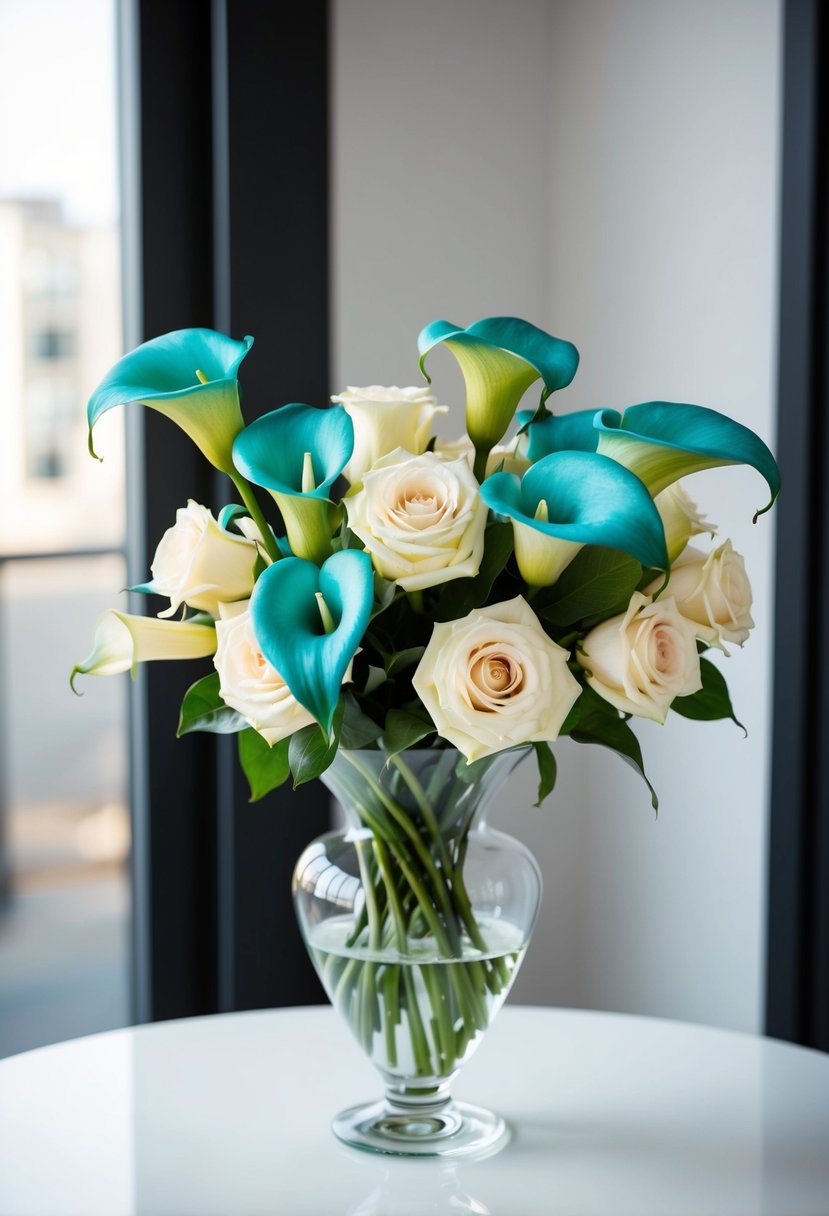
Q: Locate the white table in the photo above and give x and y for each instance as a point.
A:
(230, 1115)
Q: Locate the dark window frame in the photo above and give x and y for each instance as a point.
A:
(797, 988)
(229, 182)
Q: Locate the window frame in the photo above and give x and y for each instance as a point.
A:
(213, 924)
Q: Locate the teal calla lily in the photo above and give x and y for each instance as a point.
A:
(288, 621)
(190, 376)
(571, 499)
(500, 357)
(297, 452)
(659, 441)
(573, 432)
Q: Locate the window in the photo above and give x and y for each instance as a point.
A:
(64, 818)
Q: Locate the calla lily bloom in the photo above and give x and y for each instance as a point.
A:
(660, 442)
(297, 452)
(571, 499)
(572, 432)
(122, 641)
(189, 375)
(309, 621)
(500, 357)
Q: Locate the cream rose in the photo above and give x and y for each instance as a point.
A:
(494, 679)
(511, 457)
(385, 419)
(641, 660)
(198, 563)
(714, 592)
(247, 681)
(681, 519)
(421, 518)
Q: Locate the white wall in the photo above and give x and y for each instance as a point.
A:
(608, 169)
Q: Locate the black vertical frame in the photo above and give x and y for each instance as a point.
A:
(233, 203)
(797, 999)
(273, 141)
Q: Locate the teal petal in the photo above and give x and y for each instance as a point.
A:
(162, 374)
(500, 357)
(662, 441)
(560, 433)
(590, 500)
(288, 625)
(271, 450)
(229, 514)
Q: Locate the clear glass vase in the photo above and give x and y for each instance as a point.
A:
(417, 916)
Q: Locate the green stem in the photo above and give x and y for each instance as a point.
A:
(420, 1044)
(249, 499)
(384, 864)
(479, 466)
(426, 811)
(372, 910)
(404, 822)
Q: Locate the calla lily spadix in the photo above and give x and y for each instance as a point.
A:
(500, 357)
(660, 441)
(571, 499)
(123, 640)
(190, 376)
(288, 623)
(296, 453)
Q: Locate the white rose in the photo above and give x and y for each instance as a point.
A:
(681, 519)
(385, 419)
(494, 679)
(198, 563)
(511, 457)
(421, 519)
(247, 681)
(641, 660)
(714, 592)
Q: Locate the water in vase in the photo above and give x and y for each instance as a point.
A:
(417, 1014)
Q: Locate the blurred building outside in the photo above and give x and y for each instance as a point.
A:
(64, 820)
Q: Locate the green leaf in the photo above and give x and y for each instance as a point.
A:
(462, 595)
(376, 677)
(404, 729)
(401, 659)
(358, 729)
(593, 720)
(265, 767)
(546, 770)
(311, 751)
(598, 583)
(712, 702)
(384, 593)
(203, 709)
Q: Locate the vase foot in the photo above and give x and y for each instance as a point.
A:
(457, 1129)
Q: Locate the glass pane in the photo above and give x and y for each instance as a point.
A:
(60, 291)
(64, 820)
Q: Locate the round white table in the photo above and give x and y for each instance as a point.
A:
(230, 1115)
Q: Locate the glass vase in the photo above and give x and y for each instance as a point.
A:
(417, 916)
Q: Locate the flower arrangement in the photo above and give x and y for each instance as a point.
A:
(476, 594)
(417, 617)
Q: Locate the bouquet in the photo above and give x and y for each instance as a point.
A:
(482, 594)
(406, 617)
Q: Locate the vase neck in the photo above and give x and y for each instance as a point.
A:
(433, 788)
